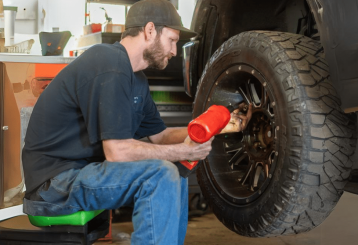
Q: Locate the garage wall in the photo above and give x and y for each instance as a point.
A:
(186, 10)
(67, 15)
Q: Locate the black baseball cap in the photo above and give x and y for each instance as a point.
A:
(160, 12)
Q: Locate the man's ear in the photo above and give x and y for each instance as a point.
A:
(149, 31)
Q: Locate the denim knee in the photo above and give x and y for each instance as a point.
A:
(169, 170)
(162, 180)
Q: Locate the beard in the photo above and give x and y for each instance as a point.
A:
(155, 56)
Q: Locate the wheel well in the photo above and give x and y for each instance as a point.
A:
(219, 20)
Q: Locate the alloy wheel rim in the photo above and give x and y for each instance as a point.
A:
(241, 165)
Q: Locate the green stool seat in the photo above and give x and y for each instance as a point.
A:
(77, 219)
(81, 228)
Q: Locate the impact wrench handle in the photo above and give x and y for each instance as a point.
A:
(201, 129)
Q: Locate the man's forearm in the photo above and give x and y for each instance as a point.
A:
(134, 150)
(173, 135)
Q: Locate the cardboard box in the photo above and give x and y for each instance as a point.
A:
(116, 28)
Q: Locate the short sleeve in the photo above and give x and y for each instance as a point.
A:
(152, 123)
(106, 106)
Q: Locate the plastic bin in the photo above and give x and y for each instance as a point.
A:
(22, 47)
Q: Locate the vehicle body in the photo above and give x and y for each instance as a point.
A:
(296, 62)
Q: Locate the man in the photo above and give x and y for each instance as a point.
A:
(82, 150)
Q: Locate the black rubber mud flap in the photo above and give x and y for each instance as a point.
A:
(286, 172)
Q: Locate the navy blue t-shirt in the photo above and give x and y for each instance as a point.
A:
(94, 98)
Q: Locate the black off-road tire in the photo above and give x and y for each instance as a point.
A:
(314, 143)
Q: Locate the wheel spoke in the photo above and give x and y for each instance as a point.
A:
(256, 176)
(267, 169)
(269, 109)
(247, 173)
(227, 140)
(245, 96)
(264, 98)
(270, 160)
(238, 161)
(232, 148)
(242, 157)
(238, 154)
(248, 91)
(254, 94)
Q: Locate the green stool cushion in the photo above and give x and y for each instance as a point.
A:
(79, 218)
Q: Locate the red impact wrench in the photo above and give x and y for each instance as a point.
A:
(201, 129)
(210, 123)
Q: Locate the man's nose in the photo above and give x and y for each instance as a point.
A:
(174, 50)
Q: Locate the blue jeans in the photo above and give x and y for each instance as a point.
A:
(153, 187)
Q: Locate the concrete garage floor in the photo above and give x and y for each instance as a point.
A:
(340, 228)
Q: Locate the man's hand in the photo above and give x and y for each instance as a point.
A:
(195, 151)
(238, 122)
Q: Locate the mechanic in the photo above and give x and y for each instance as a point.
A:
(81, 148)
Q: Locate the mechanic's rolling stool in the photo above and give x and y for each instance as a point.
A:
(83, 228)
